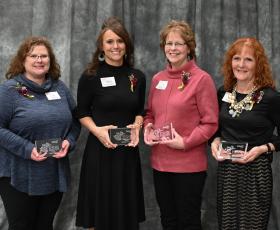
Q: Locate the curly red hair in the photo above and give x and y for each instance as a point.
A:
(263, 74)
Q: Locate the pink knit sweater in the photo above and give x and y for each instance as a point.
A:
(193, 113)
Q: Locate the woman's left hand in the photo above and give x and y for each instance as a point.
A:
(135, 129)
(35, 156)
(251, 155)
(64, 150)
(176, 143)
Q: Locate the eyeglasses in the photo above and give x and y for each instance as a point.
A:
(36, 57)
(176, 44)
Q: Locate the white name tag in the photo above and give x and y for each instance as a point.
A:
(162, 85)
(108, 81)
(226, 97)
(53, 95)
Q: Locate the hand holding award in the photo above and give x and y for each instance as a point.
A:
(232, 150)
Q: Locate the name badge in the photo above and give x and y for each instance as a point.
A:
(53, 95)
(226, 97)
(108, 81)
(162, 85)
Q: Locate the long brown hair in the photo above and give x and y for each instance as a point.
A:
(17, 63)
(116, 25)
(263, 73)
(185, 31)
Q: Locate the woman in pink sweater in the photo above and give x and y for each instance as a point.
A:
(185, 96)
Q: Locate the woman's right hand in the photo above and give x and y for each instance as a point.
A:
(148, 133)
(102, 133)
(215, 148)
(36, 156)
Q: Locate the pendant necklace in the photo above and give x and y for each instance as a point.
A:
(236, 108)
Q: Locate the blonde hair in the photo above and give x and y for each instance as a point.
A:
(185, 31)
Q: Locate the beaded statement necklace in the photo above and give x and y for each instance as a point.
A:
(236, 108)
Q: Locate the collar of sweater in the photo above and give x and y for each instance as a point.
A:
(176, 73)
(33, 86)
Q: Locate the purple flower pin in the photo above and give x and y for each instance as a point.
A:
(22, 90)
(185, 77)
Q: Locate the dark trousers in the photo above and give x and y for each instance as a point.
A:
(179, 198)
(25, 212)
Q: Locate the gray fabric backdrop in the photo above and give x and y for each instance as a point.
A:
(72, 26)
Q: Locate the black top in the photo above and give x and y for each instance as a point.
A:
(112, 105)
(256, 126)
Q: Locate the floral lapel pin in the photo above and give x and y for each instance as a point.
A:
(257, 96)
(185, 77)
(22, 90)
(133, 82)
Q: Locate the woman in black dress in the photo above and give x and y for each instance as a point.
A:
(249, 113)
(111, 94)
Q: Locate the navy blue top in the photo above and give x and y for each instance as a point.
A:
(24, 120)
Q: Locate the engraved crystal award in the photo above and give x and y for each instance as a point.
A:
(120, 136)
(232, 150)
(162, 134)
(49, 146)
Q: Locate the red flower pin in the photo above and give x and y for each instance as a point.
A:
(133, 82)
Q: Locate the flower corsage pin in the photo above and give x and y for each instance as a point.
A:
(257, 96)
(185, 77)
(22, 90)
(133, 82)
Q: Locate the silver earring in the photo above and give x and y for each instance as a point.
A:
(101, 56)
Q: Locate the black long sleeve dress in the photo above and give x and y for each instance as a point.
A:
(245, 190)
(111, 191)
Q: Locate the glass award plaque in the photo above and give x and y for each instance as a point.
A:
(162, 134)
(120, 136)
(232, 150)
(49, 146)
